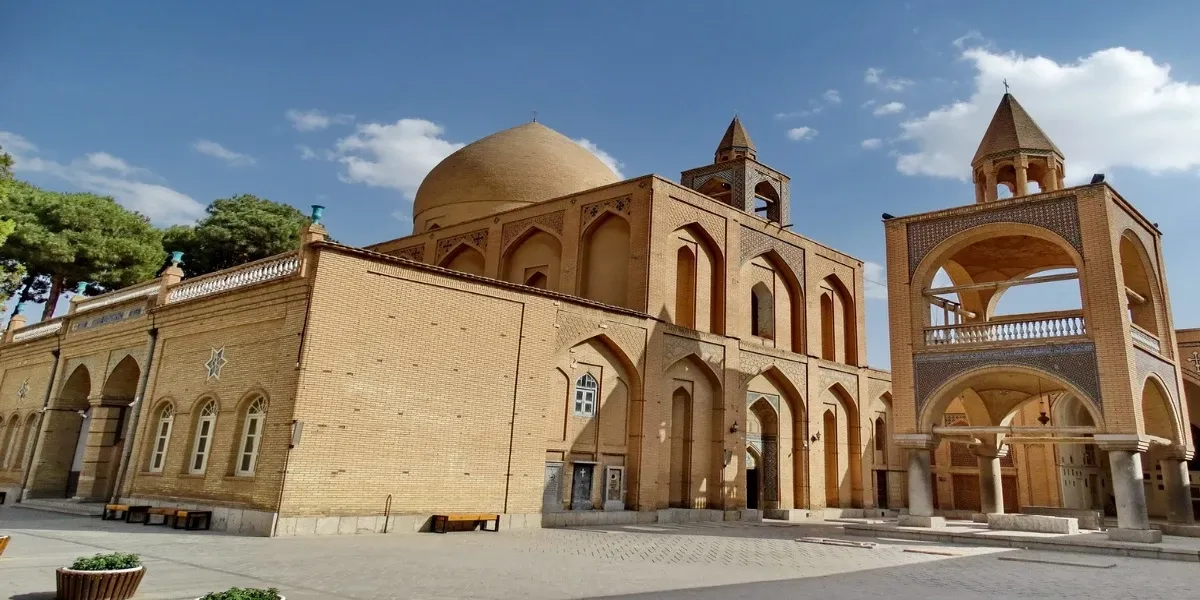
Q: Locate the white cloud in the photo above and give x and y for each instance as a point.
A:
(394, 155)
(832, 97)
(306, 153)
(215, 150)
(828, 99)
(801, 133)
(1147, 120)
(869, 103)
(313, 119)
(874, 281)
(604, 157)
(872, 144)
(105, 174)
(970, 36)
(890, 108)
(874, 76)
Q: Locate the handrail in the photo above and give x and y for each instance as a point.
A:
(37, 330)
(267, 269)
(1015, 328)
(118, 296)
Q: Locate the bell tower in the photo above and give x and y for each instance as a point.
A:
(739, 180)
(1015, 152)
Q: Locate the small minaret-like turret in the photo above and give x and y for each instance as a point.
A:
(1014, 152)
(735, 144)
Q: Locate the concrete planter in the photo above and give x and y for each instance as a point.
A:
(3, 544)
(118, 584)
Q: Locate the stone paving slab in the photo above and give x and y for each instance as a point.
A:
(1173, 548)
(701, 560)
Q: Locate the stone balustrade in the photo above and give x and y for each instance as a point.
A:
(1142, 338)
(37, 331)
(275, 267)
(1014, 328)
(118, 296)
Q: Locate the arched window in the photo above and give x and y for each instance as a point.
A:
(251, 436)
(828, 347)
(880, 435)
(205, 425)
(586, 390)
(162, 437)
(762, 312)
(685, 287)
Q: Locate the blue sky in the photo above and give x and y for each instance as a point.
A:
(167, 106)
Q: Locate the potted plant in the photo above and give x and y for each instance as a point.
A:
(113, 576)
(244, 594)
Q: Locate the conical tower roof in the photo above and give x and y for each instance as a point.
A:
(735, 138)
(1013, 129)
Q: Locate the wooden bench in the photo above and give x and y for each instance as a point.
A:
(165, 512)
(131, 514)
(480, 519)
(191, 519)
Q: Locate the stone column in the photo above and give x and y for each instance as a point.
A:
(991, 491)
(1179, 499)
(1022, 180)
(989, 189)
(920, 482)
(1125, 458)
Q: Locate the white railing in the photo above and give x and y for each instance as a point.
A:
(1144, 339)
(264, 270)
(116, 297)
(37, 331)
(1012, 329)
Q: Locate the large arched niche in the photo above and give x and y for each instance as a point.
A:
(1051, 251)
(534, 259)
(1140, 276)
(694, 432)
(788, 297)
(465, 258)
(617, 427)
(699, 296)
(792, 453)
(1160, 416)
(604, 259)
(849, 445)
(935, 405)
(839, 322)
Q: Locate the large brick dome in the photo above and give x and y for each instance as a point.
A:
(516, 167)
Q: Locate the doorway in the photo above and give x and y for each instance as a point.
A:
(77, 459)
(881, 489)
(581, 486)
(752, 489)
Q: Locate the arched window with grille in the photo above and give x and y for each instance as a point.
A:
(586, 390)
(205, 424)
(162, 438)
(256, 414)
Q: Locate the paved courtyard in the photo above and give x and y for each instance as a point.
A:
(657, 562)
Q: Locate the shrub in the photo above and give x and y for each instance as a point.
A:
(244, 594)
(107, 562)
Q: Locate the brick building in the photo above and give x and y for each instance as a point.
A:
(550, 343)
(1090, 400)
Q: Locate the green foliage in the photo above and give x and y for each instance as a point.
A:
(6, 165)
(62, 239)
(236, 230)
(107, 562)
(244, 594)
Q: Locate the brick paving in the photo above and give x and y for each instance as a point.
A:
(657, 562)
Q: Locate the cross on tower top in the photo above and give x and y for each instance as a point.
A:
(1195, 360)
(1005, 86)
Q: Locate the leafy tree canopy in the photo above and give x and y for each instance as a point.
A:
(236, 230)
(63, 239)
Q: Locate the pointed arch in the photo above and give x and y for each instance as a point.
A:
(935, 405)
(791, 312)
(706, 277)
(1144, 304)
(1160, 417)
(696, 424)
(717, 188)
(791, 468)
(536, 250)
(465, 258)
(121, 384)
(851, 444)
(839, 322)
(75, 390)
(605, 251)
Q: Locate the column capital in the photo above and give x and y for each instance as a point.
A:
(1128, 442)
(916, 441)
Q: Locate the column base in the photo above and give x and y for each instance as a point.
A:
(1140, 536)
(929, 522)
